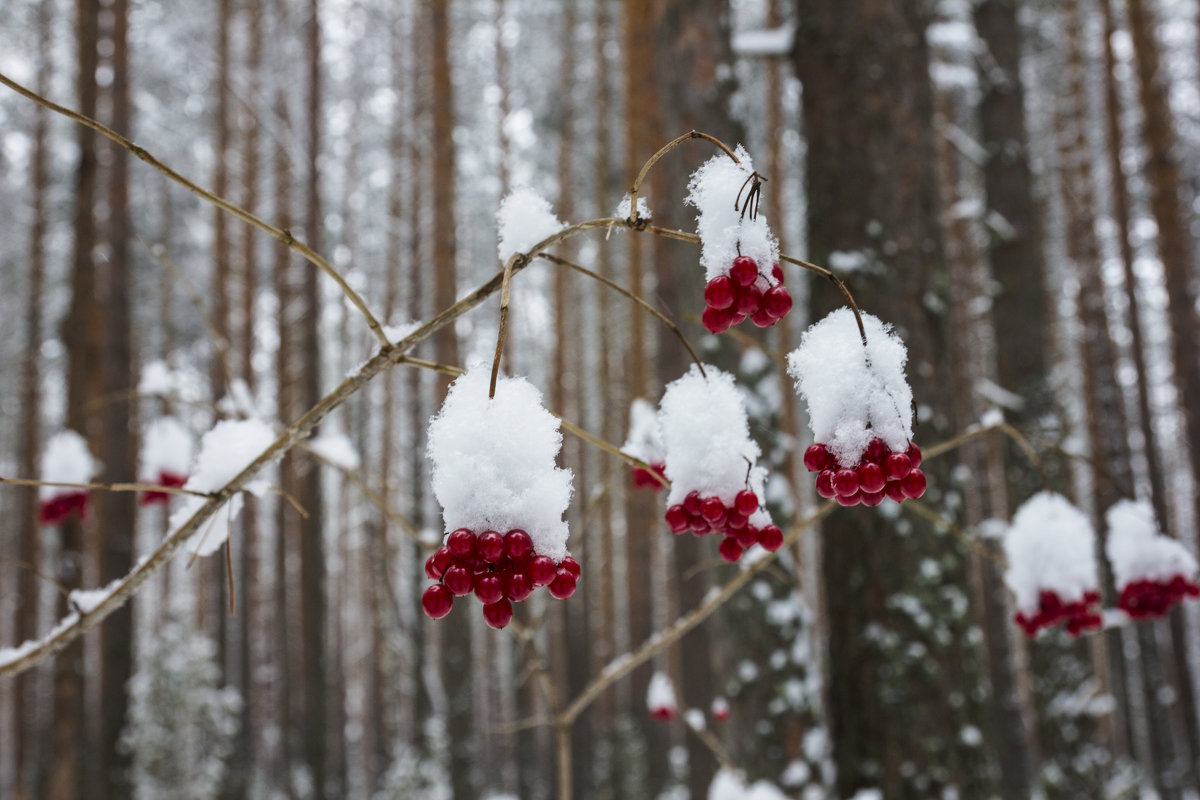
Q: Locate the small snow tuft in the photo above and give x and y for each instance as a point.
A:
(725, 232)
(167, 447)
(625, 206)
(524, 219)
(65, 460)
(645, 435)
(1050, 545)
(494, 461)
(337, 449)
(158, 379)
(854, 393)
(660, 696)
(1138, 551)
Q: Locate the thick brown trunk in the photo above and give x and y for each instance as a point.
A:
(868, 114)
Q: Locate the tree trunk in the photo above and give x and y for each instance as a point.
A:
(871, 185)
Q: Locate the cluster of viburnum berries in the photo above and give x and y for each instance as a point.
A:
(645, 478)
(499, 569)
(704, 515)
(880, 473)
(745, 292)
(1076, 616)
(1149, 598)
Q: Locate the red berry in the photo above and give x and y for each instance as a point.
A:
(748, 300)
(736, 521)
(894, 491)
(517, 586)
(744, 271)
(692, 503)
(914, 484)
(571, 566)
(719, 292)
(845, 482)
(677, 519)
(763, 319)
(777, 272)
(729, 549)
(914, 455)
(771, 538)
(437, 601)
(777, 302)
(490, 546)
(745, 502)
(712, 508)
(746, 537)
(436, 564)
(518, 543)
(458, 580)
(717, 320)
(563, 585)
(896, 466)
(825, 484)
(542, 570)
(489, 589)
(872, 499)
(849, 499)
(876, 452)
(871, 477)
(461, 543)
(817, 458)
(498, 614)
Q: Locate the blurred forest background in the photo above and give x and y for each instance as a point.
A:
(1013, 184)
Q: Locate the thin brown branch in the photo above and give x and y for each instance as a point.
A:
(281, 234)
(374, 497)
(970, 541)
(668, 147)
(106, 487)
(710, 741)
(229, 572)
(37, 573)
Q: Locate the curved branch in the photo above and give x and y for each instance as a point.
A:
(668, 147)
(106, 487)
(282, 234)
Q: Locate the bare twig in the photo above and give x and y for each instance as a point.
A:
(668, 147)
(36, 573)
(106, 487)
(283, 235)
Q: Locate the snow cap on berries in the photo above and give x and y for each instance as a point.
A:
(1138, 551)
(524, 219)
(166, 447)
(645, 435)
(494, 461)
(65, 460)
(854, 393)
(725, 232)
(1050, 545)
(660, 697)
(708, 442)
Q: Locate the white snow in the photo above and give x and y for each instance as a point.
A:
(88, 599)
(395, 333)
(166, 447)
(65, 460)
(707, 438)
(1138, 551)
(645, 435)
(524, 219)
(725, 232)
(764, 41)
(337, 449)
(660, 694)
(225, 451)
(624, 207)
(157, 379)
(854, 393)
(694, 718)
(1049, 545)
(239, 402)
(730, 785)
(494, 461)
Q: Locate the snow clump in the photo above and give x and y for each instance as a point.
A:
(166, 448)
(645, 436)
(494, 461)
(65, 460)
(660, 697)
(524, 219)
(1138, 551)
(725, 232)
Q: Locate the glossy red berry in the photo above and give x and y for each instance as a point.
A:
(729, 549)
(736, 521)
(571, 566)
(914, 484)
(498, 614)
(488, 589)
(745, 502)
(717, 320)
(744, 271)
(436, 564)
(458, 580)
(825, 484)
(691, 504)
(712, 508)
(517, 586)
(437, 601)
(748, 300)
(817, 458)
(518, 543)
(771, 538)
(719, 292)
(461, 543)
(896, 466)
(876, 452)
(849, 499)
(895, 491)
(777, 272)
(490, 546)
(762, 318)
(872, 499)
(914, 455)
(871, 477)
(746, 537)
(778, 302)
(845, 482)
(542, 570)
(563, 585)
(677, 519)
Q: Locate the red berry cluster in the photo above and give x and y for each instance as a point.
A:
(745, 292)
(1079, 615)
(705, 515)
(500, 569)
(879, 473)
(165, 478)
(644, 478)
(1146, 598)
(662, 713)
(57, 509)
